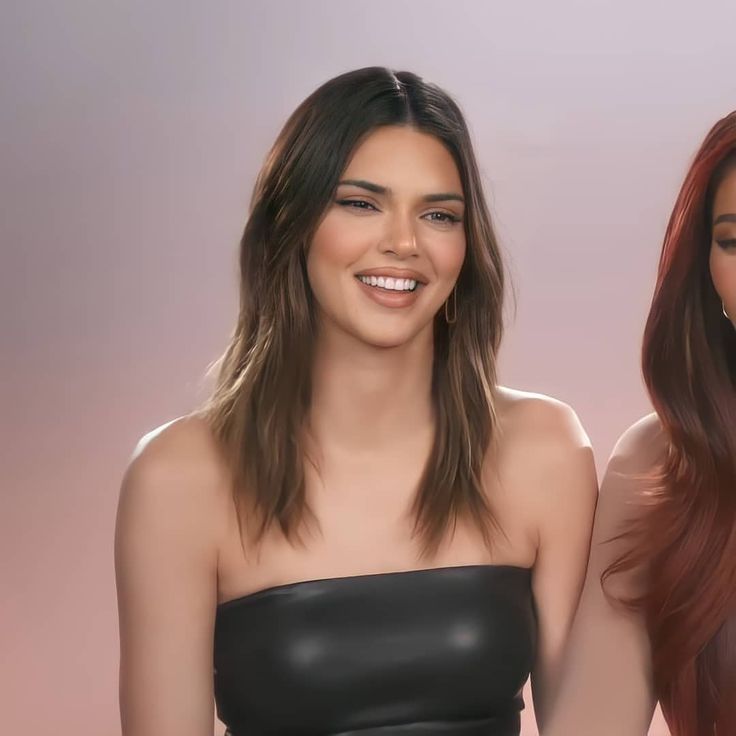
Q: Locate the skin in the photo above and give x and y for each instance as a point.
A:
(606, 685)
(607, 688)
(723, 246)
(365, 229)
(177, 548)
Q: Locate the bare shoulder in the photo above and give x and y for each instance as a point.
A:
(640, 446)
(543, 455)
(184, 450)
(538, 419)
(547, 471)
(176, 470)
(167, 533)
(628, 474)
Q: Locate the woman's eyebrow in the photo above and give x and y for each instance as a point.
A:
(729, 217)
(363, 184)
(444, 197)
(378, 189)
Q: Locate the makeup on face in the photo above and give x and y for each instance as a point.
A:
(391, 244)
(724, 230)
(347, 196)
(390, 286)
(723, 245)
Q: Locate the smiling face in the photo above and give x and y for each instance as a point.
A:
(388, 251)
(723, 244)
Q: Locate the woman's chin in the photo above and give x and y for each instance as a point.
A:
(379, 333)
(386, 338)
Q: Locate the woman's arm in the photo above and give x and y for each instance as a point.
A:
(566, 492)
(166, 572)
(548, 487)
(606, 687)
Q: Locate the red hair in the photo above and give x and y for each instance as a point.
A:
(686, 537)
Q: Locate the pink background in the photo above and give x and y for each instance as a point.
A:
(130, 136)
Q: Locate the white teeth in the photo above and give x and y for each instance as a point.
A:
(390, 283)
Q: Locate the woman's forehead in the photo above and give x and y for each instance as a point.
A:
(401, 157)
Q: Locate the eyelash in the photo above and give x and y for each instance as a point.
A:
(731, 243)
(449, 218)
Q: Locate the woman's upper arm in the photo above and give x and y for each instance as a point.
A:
(606, 686)
(566, 496)
(166, 574)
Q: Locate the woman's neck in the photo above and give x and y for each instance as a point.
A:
(366, 397)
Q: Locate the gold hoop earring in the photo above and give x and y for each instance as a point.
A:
(453, 297)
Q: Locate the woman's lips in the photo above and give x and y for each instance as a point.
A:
(389, 298)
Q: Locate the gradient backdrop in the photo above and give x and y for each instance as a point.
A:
(130, 136)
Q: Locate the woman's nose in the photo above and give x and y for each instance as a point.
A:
(400, 237)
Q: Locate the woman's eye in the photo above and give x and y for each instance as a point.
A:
(357, 204)
(443, 218)
(730, 243)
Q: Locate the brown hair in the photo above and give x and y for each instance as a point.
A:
(686, 537)
(262, 394)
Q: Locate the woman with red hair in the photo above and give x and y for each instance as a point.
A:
(657, 620)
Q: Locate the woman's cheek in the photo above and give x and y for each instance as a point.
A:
(723, 272)
(450, 256)
(342, 238)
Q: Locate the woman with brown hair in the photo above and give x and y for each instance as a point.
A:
(657, 621)
(360, 530)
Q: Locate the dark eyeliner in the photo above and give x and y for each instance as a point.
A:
(348, 202)
(450, 218)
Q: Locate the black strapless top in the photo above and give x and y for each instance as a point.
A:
(418, 653)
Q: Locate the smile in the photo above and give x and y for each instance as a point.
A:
(389, 283)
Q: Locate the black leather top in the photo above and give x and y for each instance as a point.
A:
(424, 652)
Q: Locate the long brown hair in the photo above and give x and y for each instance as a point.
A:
(262, 394)
(686, 538)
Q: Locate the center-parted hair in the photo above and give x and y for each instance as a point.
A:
(261, 399)
(686, 537)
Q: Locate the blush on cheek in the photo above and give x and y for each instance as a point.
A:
(450, 260)
(325, 245)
